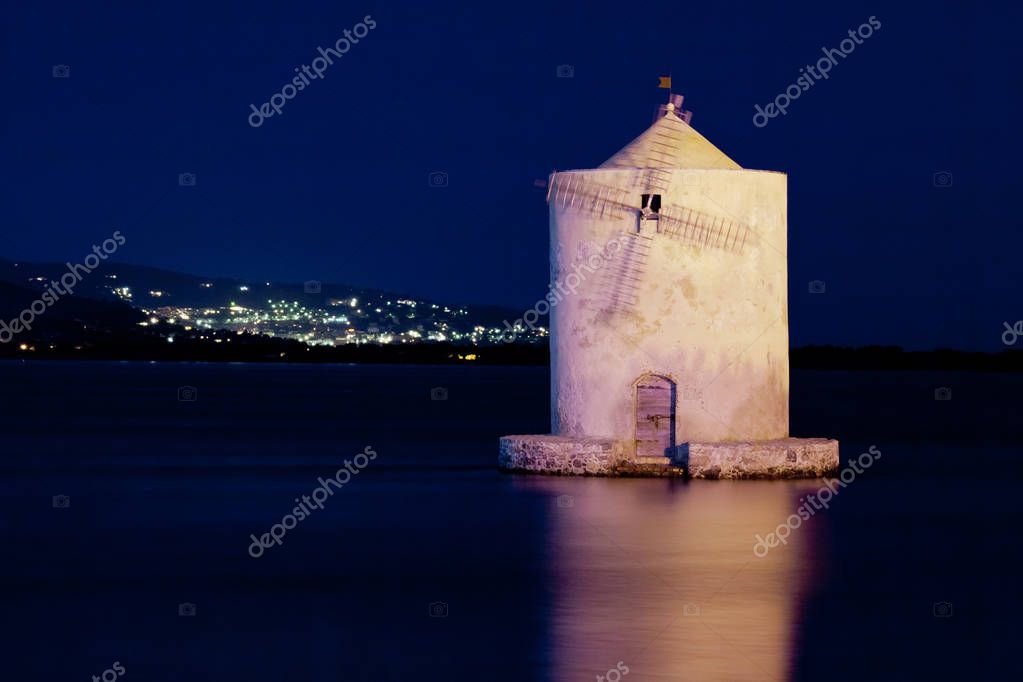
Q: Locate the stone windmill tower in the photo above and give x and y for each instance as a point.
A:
(669, 316)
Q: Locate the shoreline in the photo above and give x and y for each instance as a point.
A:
(282, 351)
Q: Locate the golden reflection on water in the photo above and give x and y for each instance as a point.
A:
(661, 576)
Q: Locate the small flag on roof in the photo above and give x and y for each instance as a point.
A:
(665, 82)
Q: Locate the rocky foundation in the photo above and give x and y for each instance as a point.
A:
(560, 455)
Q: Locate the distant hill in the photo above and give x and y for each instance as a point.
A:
(96, 323)
(109, 314)
(73, 319)
(155, 287)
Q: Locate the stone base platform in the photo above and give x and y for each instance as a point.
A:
(562, 455)
(782, 458)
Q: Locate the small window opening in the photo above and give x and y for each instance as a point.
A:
(651, 205)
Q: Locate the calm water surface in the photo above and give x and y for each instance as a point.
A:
(535, 578)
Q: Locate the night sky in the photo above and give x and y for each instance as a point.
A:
(337, 187)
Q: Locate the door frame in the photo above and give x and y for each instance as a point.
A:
(672, 442)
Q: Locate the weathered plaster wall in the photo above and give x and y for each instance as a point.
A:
(713, 320)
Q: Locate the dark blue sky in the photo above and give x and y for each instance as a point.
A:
(336, 188)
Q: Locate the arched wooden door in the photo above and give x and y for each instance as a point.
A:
(655, 416)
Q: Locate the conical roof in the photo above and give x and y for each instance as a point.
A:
(670, 143)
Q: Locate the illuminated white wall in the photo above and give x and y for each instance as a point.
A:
(713, 320)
